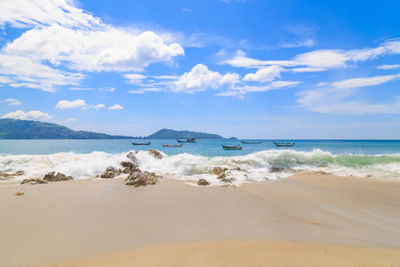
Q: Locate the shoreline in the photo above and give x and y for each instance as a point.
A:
(85, 219)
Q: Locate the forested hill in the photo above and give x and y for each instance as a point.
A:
(172, 134)
(25, 129)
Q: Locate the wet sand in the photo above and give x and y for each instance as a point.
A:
(283, 222)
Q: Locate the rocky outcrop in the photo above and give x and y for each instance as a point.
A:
(203, 182)
(155, 153)
(110, 172)
(33, 181)
(218, 170)
(56, 177)
(142, 179)
(129, 167)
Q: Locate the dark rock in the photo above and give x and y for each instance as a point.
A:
(129, 167)
(33, 181)
(56, 177)
(142, 179)
(276, 169)
(132, 157)
(110, 172)
(227, 180)
(218, 170)
(221, 176)
(155, 153)
(203, 182)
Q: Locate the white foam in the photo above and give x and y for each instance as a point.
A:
(259, 166)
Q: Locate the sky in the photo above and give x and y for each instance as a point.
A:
(245, 68)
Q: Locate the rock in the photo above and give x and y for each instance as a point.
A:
(218, 170)
(142, 179)
(155, 153)
(368, 175)
(132, 157)
(19, 193)
(203, 182)
(110, 172)
(276, 169)
(53, 177)
(227, 180)
(129, 167)
(221, 176)
(9, 175)
(34, 181)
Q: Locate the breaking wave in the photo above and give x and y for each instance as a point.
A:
(259, 166)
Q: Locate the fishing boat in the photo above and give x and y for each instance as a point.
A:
(251, 142)
(238, 147)
(188, 140)
(141, 144)
(280, 144)
(172, 145)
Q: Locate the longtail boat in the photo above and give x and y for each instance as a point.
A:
(141, 144)
(189, 140)
(283, 144)
(172, 145)
(251, 142)
(238, 147)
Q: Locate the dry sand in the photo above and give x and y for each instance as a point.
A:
(308, 219)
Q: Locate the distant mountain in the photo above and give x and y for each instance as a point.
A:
(23, 129)
(172, 134)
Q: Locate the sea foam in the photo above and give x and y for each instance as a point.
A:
(259, 166)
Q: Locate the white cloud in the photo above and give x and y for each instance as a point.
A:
(186, 9)
(12, 102)
(265, 74)
(388, 67)
(200, 78)
(319, 59)
(115, 107)
(81, 89)
(363, 82)
(25, 13)
(308, 69)
(341, 97)
(240, 91)
(134, 78)
(98, 106)
(31, 115)
(64, 35)
(65, 104)
(145, 90)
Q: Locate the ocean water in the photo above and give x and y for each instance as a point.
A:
(84, 159)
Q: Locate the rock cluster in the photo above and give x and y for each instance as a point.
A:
(142, 178)
(110, 172)
(56, 177)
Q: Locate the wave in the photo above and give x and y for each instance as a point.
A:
(259, 166)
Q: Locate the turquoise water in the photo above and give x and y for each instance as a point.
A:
(209, 148)
(256, 162)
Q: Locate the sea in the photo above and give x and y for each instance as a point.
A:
(85, 159)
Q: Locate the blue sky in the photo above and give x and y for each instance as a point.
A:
(251, 69)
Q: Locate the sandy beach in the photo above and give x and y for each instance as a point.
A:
(310, 219)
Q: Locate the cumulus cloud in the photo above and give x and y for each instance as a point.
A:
(65, 104)
(265, 74)
(200, 78)
(31, 115)
(134, 78)
(115, 107)
(63, 35)
(98, 106)
(12, 102)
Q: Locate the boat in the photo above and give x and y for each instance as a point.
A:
(281, 144)
(238, 147)
(141, 144)
(251, 142)
(172, 145)
(188, 140)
